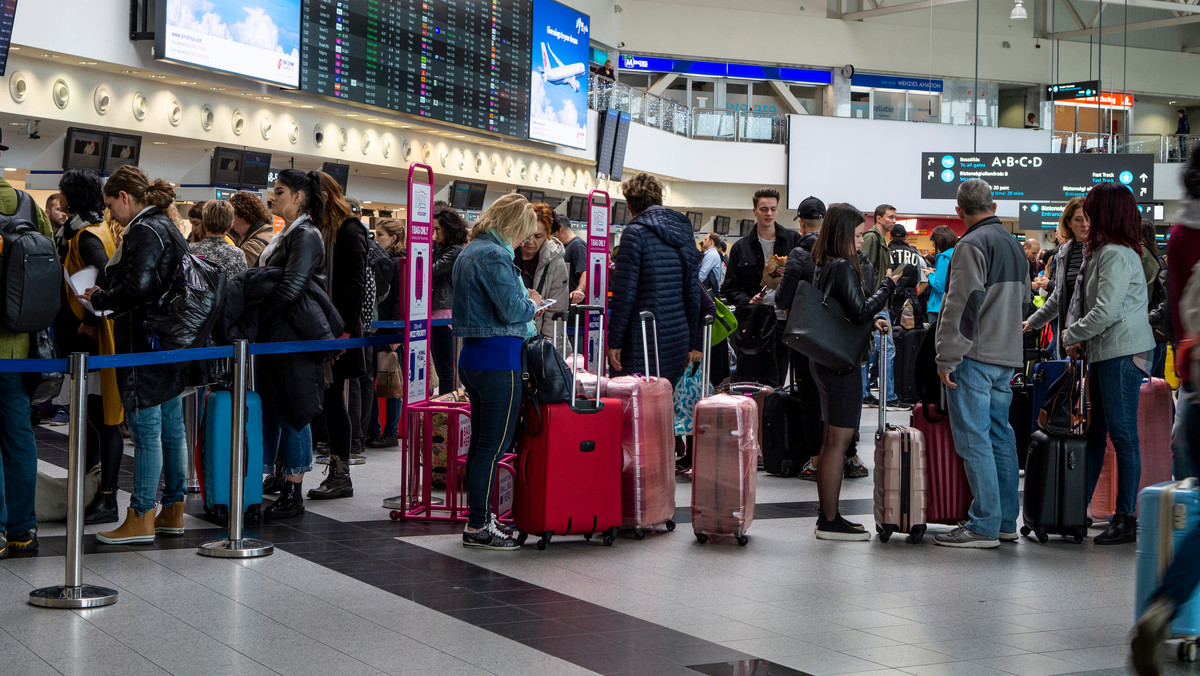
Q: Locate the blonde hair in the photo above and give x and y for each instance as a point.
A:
(396, 229)
(216, 217)
(512, 217)
(1064, 223)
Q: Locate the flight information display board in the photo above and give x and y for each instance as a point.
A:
(466, 62)
(1035, 176)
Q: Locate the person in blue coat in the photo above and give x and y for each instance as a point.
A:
(944, 240)
(656, 270)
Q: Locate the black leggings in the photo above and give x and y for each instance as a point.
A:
(104, 445)
(337, 420)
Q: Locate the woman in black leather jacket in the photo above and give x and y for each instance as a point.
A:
(449, 238)
(839, 275)
(138, 274)
(297, 249)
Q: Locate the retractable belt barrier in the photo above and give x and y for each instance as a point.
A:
(73, 593)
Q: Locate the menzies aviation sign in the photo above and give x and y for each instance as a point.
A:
(1035, 176)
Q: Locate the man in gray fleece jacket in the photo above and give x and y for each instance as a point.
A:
(978, 348)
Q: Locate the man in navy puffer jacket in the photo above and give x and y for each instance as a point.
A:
(656, 268)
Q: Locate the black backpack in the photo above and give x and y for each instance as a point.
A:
(184, 316)
(29, 270)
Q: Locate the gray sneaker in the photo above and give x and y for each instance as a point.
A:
(1149, 633)
(963, 538)
(1004, 536)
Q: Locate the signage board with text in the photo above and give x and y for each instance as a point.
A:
(1033, 177)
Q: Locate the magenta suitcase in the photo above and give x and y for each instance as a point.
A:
(1156, 417)
(947, 492)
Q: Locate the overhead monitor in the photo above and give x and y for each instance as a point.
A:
(558, 100)
(697, 220)
(227, 167)
(721, 225)
(745, 226)
(619, 144)
(120, 150)
(460, 195)
(534, 196)
(475, 197)
(84, 149)
(577, 208)
(459, 61)
(8, 12)
(339, 172)
(256, 169)
(606, 139)
(620, 213)
(258, 40)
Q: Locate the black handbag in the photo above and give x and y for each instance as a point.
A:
(1066, 408)
(43, 386)
(546, 376)
(819, 329)
(755, 331)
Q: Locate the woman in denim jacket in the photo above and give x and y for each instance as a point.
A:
(493, 315)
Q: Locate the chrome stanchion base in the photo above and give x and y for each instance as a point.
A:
(193, 486)
(394, 502)
(83, 596)
(246, 548)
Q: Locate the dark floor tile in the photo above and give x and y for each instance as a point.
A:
(706, 653)
(524, 597)
(567, 609)
(333, 558)
(618, 661)
(578, 644)
(654, 637)
(612, 623)
(463, 601)
(395, 576)
(533, 629)
(754, 667)
(481, 617)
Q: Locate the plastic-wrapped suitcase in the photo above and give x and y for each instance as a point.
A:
(213, 461)
(900, 473)
(647, 445)
(1156, 417)
(569, 474)
(1170, 512)
(725, 452)
(1055, 498)
(947, 491)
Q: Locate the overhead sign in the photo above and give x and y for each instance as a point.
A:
(1040, 215)
(651, 64)
(1152, 210)
(599, 208)
(1035, 176)
(921, 84)
(1073, 90)
(1106, 99)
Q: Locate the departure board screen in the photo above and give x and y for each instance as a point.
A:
(466, 62)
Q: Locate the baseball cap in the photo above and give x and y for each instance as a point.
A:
(355, 205)
(810, 208)
(2, 146)
(899, 231)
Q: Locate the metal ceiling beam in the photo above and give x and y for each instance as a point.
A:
(1165, 5)
(1194, 49)
(1128, 28)
(897, 9)
(1074, 14)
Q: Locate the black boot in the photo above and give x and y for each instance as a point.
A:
(274, 483)
(1123, 529)
(290, 502)
(102, 510)
(337, 482)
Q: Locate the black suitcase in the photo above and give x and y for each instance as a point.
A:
(908, 343)
(784, 447)
(1020, 415)
(1056, 486)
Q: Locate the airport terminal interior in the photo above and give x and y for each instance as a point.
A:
(865, 102)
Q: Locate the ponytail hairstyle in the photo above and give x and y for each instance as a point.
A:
(396, 229)
(159, 193)
(310, 186)
(337, 210)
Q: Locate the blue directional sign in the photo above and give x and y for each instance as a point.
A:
(1036, 177)
(1040, 215)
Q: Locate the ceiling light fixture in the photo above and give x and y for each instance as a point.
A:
(306, 106)
(187, 82)
(1018, 11)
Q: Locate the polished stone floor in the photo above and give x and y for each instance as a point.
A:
(350, 592)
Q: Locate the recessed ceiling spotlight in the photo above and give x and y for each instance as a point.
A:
(306, 106)
(50, 56)
(404, 126)
(10, 169)
(160, 143)
(130, 72)
(187, 82)
(263, 98)
(351, 114)
(372, 119)
(158, 77)
(286, 103)
(87, 63)
(367, 202)
(217, 89)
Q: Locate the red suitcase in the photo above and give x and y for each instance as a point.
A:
(1156, 417)
(569, 473)
(947, 492)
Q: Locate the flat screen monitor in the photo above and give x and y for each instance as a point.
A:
(227, 166)
(460, 195)
(339, 173)
(534, 196)
(607, 137)
(475, 196)
(8, 12)
(721, 225)
(84, 149)
(256, 170)
(577, 208)
(258, 40)
(120, 150)
(619, 145)
(745, 225)
(620, 213)
(697, 220)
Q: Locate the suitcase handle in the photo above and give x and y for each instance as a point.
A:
(704, 359)
(587, 405)
(883, 382)
(646, 317)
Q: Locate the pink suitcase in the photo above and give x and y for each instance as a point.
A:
(1156, 417)
(947, 492)
(725, 454)
(899, 473)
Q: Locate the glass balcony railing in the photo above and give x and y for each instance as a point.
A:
(1164, 147)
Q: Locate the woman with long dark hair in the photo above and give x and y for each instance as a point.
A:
(1108, 322)
(449, 239)
(840, 276)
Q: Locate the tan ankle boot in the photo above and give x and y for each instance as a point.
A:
(170, 519)
(135, 530)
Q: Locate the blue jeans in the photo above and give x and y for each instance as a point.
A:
(1114, 388)
(495, 398)
(159, 447)
(18, 473)
(391, 426)
(1158, 361)
(1184, 572)
(281, 439)
(982, 436)
(873, 365)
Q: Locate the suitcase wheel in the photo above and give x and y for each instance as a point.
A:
(639, 534)
(670, 525)
(742, 540)
(1187, 651)
(545, 539)
(253, 515)
(522, 538)
(611, 536)
(394, 515)
(916, 534)
(1041, 536)
(587, 537)
(885, 534)
(701, 538)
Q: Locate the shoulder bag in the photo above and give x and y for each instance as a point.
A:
(818, 328)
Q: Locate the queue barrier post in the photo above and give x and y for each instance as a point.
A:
(191, 423)
(237, 546)
(73, 593)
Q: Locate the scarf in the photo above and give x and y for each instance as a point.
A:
(277, 240)
(1075, 309)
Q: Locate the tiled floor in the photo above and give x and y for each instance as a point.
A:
(350, 592)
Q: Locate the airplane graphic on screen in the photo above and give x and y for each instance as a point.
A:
(560, 74)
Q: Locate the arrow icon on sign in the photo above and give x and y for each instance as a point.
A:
(931, 161)
(1143, 177)
(929, 177)
(1024, 207)
(1143, 192)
